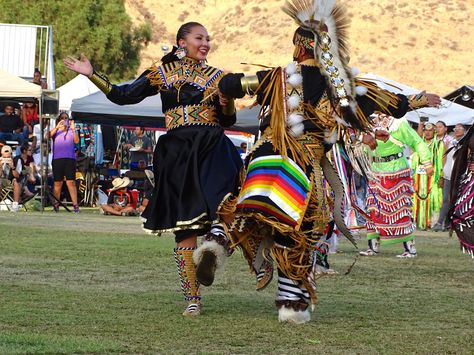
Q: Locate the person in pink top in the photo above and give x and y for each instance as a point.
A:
(64, 137)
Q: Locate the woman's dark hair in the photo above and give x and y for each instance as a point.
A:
(37, 71)
(444, 124)
(183, 31)
(62, 113)
(24, 148)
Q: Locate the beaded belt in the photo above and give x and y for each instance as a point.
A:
(388, 158)
(192, 114)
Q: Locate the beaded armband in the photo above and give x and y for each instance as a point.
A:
(101, 81)
(249, 84)
(417, 101)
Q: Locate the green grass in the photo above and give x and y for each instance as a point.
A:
(97, 284)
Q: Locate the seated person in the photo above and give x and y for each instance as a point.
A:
(38, 80)
(119, 200)
(29, 116)
(11, 126)
(26, 167)
(149, 186)
(9, 176)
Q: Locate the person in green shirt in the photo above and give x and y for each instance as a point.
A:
(428, 194)
(389, 200)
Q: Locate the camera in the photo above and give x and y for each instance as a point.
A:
(424, 119)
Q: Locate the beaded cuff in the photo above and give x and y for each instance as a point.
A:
(101, 81)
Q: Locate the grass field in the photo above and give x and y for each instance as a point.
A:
(96, 284)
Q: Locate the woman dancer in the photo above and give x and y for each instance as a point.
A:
(195, 164)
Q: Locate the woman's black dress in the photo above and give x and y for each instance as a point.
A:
(195, 164)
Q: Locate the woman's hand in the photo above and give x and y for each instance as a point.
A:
(72, 124)
(82, 66)
(223, 99)
(60, 125)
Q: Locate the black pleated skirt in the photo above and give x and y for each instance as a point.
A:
(195, 167)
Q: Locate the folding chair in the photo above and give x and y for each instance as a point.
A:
(6, 194)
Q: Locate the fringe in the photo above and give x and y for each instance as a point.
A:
(155, 78)
(402, 187)
(393, 218)
(399, 231)
(281, 140)
(384, 99)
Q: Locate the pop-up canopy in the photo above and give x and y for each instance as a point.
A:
(78, 87)
(449, 112)
(15, 88)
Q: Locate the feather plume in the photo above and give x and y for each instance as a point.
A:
(361, 90)
(294, 119)
(290, 68)
(295, 80)
(294, 101)
(323, 9)
(299, 10)
(297, 130)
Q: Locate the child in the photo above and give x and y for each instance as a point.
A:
(119, 200)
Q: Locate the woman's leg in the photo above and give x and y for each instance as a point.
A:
(186, 242)
(57, 190)
(71, 186)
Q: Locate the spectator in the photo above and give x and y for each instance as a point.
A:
(37, 79)
(442, 134)
(459, 131)
(11, 126)
(428, 195)
(242, 150)
(26, 167)
(148, 193)
(64, 137)
(9, 176)
(119, 202)
(139, 147)
(29, 116)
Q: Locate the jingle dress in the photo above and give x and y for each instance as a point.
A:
(389, 200)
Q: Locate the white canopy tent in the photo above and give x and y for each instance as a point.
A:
(13, 87)
(78, 87)
(449, 112)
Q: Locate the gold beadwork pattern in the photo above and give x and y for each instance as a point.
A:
(190, 115)
(177, 73)
(187, 273)
(101, 81)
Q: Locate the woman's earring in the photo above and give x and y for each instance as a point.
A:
(181, 52)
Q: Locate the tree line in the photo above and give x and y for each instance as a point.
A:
(101, 29)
